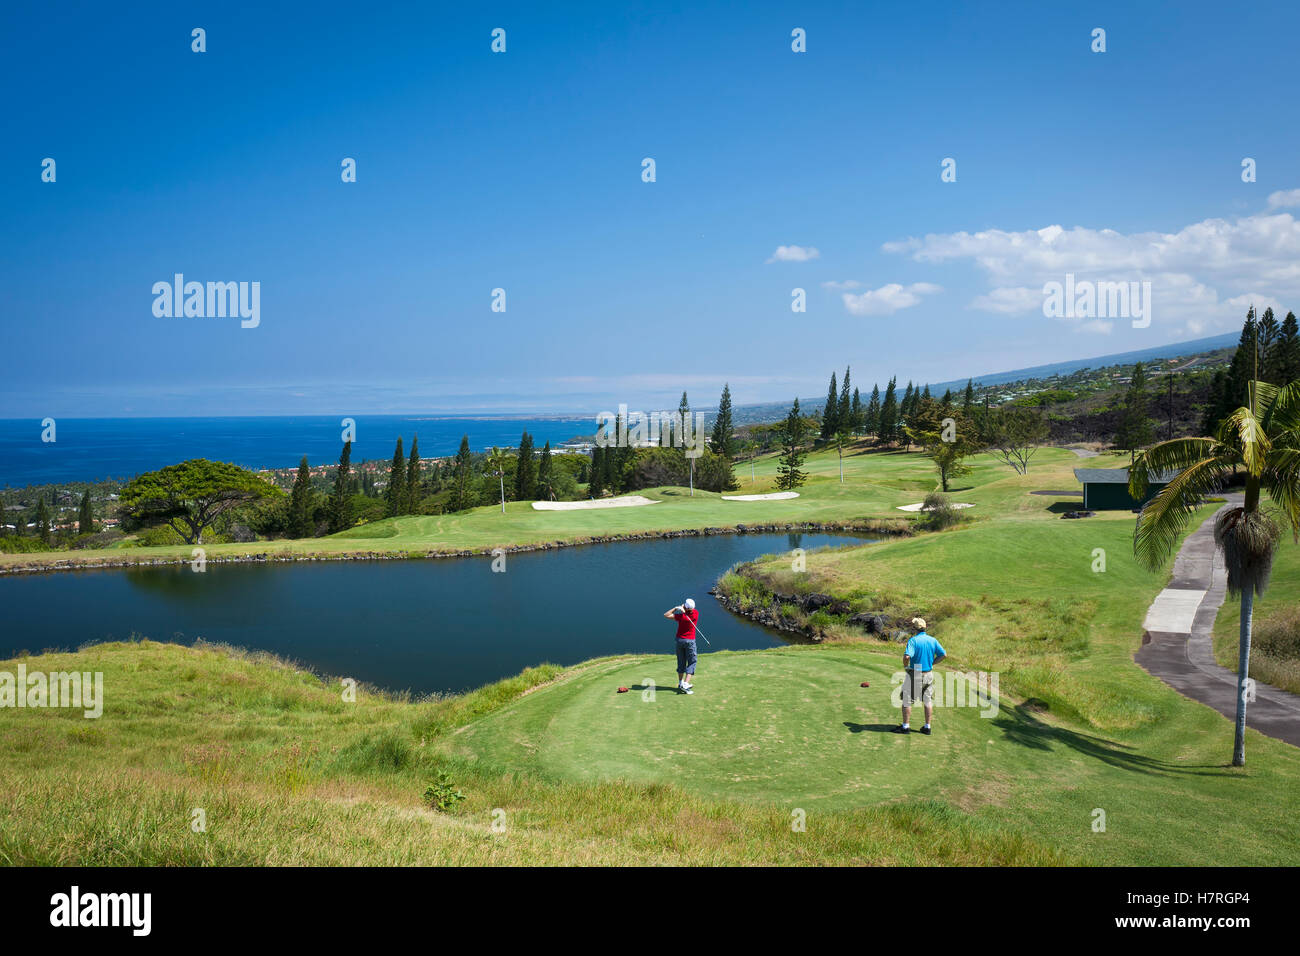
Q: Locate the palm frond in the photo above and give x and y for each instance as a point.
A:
(1283, 414)
(1282, 479)
(1244, 431)
(1173, 455)
(1163, 520)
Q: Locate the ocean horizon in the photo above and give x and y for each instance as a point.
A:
(93, 449)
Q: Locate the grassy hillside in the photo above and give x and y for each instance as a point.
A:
(289, 774)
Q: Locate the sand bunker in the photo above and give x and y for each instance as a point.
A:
(920, 506)
(774, 496)
(626, 501)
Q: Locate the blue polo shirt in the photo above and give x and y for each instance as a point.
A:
(922, 650)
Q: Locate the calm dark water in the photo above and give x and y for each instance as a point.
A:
(89, 449)
(422, 625)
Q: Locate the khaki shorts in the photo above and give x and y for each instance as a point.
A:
(918, 684)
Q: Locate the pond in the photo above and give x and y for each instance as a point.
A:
(418, 625)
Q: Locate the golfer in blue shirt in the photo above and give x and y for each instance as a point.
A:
(919, 657)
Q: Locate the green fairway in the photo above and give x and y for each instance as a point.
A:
(875, 484)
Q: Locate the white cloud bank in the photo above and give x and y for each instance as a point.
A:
(886, 300)
(795, 254)
(1203, 277)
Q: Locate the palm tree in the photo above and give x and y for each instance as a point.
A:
(496, 464)
(1264, 440)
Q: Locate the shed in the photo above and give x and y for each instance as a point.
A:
(1106, 489)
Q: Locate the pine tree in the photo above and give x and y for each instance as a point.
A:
(968, 397)
(830, 411)
(889, 412)
(724, 442)
(844, 411)
(1242, 367)
(1287, 363)
(1217, 402)
(793, 434)
(871, 418)
(596, 483)
(300, 503)
(1136, 430)
(546, 475)
(462, 494)
(525, 470)
(1268, 334)
(341, 499)
(856, 412)
(43, 520)
(395, 493)
(86, 515)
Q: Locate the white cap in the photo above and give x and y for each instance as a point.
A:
(689, 604)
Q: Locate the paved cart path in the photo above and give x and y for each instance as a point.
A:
(1176, 644)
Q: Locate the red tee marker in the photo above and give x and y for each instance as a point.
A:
(865, 684)
(622, 690)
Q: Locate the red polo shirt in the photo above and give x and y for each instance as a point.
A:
(686, 624)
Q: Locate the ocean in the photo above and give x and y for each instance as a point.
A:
(90, 449)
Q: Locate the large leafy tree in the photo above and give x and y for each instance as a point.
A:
(1263, 438)
(1013, 433)
(192, 495)
(947, 436)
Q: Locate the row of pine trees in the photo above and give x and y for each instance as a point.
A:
(884, 417)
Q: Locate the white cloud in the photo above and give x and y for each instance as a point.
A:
(795, 254)
(888, 299)
(1203, 277)
(1283, 198)
(841, 286)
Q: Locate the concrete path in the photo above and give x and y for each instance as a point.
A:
(1176, 645)
(1084, 452)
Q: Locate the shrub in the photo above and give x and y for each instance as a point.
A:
(443, 795)
(938, 513)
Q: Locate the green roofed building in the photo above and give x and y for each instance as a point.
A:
(1106, 489)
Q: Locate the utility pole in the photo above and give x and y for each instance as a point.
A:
(1171, 407)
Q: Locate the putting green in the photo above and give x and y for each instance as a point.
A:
(788, 725)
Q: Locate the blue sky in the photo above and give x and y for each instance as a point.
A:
(522, 171)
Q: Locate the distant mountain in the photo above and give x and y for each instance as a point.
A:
(771, 411)
(1172, 350)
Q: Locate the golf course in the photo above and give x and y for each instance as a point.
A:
(781, 756)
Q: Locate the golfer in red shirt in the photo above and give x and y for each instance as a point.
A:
(686, 616)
